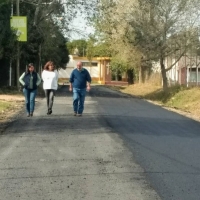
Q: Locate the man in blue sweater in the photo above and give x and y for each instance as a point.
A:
(79, 82)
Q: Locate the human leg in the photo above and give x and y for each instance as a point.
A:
(75, 99)
(81, 101)
(33, 94)
(51, 99)
(46, 92)
(27, 100)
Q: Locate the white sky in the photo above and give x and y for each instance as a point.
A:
(80, 28)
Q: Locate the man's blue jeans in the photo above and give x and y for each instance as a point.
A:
(30, 99)
(79, 98)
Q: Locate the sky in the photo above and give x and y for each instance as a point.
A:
(80, 28)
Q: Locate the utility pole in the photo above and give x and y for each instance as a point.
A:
(10, 70)
(18, 47)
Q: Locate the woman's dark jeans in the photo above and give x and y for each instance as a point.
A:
(49, 94)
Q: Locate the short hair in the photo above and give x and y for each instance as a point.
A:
(79, 62)
(46, 67)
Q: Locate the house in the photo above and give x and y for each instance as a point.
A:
(98, 67)
(185, 72)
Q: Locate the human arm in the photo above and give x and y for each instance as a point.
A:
(70, 87)
(57, 75)
(38, 80)
(71, 80)
(43, 75)
(88, 87)
(21, 79)
(88, 78)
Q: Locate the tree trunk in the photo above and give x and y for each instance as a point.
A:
(18, 48)
(130, 74)
(37, 12)
(164, 74)
(116, 76)
(140, 75)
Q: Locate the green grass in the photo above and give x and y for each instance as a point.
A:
(4, 105)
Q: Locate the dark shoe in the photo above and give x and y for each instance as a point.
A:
(31, 114)
(79, 115)
(75, 113)
(49, 111)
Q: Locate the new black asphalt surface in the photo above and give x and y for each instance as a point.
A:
(62, 157)
(165, 144)
(96, 156)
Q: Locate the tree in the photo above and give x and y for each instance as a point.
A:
(111, 26)
(155, 29)
(56, 16)
(81, 45)
(97, 48)
(163, 28)
(7, 41)
(48, 25)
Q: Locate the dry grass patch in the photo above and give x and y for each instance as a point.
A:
(11, 102)
(140, 90)
(4, 106)
(9, 109)
(186, 100)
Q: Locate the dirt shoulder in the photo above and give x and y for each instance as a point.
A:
(14, 106)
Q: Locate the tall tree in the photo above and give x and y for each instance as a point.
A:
(77, 47)
(111, 27)
(7, 41)
(48, 25)
(163, 28)
(155, 29)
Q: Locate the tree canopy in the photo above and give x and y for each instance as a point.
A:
(7, 40)
(141, 32)
(48, 27)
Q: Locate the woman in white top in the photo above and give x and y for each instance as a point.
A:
(50, 84)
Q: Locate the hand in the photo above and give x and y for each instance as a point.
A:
(88, 88)
(70, 89)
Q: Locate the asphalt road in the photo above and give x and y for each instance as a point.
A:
(62, 157)
(123, 148)
(165, 144)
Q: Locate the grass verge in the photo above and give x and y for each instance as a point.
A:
(11, 101)
(4, 106)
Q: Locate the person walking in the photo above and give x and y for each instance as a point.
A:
(50, 84)
(80, 81)
(30, 80)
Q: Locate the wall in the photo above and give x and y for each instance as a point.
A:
(64, 74)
